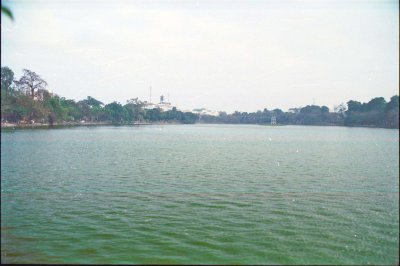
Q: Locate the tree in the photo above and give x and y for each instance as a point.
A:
(30, 81)
(116, 112)
(341, 108)
(393, 104)
(353, 106)
(71, 110)
(7, 77)
(92, 102)
(376, 104)
(55, 108)
(42, 95)
(85, 110)
(392, 112)
(324, 109)
(28, 109)
(134, 109)
(311, 109)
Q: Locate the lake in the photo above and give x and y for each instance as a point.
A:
(205, 194)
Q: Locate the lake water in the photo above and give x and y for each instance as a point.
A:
(226, 194)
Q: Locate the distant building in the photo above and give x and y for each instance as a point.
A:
(204, 111)
(163, 105)
(148, 105)
(273, 120)
(162, 99)
(41, 94)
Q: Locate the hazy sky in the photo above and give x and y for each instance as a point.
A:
(221, 55)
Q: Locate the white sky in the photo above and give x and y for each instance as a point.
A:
(221, 55)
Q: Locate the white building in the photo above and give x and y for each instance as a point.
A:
(204, 111)
(163, 105)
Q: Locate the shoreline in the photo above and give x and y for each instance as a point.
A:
(65, 125)
(13, 126)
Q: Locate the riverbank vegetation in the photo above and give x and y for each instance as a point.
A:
(27, 100)
(376, 113)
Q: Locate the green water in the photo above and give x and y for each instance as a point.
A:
(200, 194)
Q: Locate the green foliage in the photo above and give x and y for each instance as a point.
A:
(134, 110)
(393, 104)
(6, 11)
(116, 112)
(376, 104)
(7, 77)
(392, 112)
(374, 113)
(8, 105)
(353, 106)
(31, 101)
(92, 102)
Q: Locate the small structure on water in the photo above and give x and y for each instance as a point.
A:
(273, 120)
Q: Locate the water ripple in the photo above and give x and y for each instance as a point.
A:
(214, 195)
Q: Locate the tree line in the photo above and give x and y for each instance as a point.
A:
(27, 99)
(376, 113)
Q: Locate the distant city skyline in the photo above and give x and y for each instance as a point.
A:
(219, 55)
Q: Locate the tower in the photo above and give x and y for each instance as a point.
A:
(150, 94)
(273, 120)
